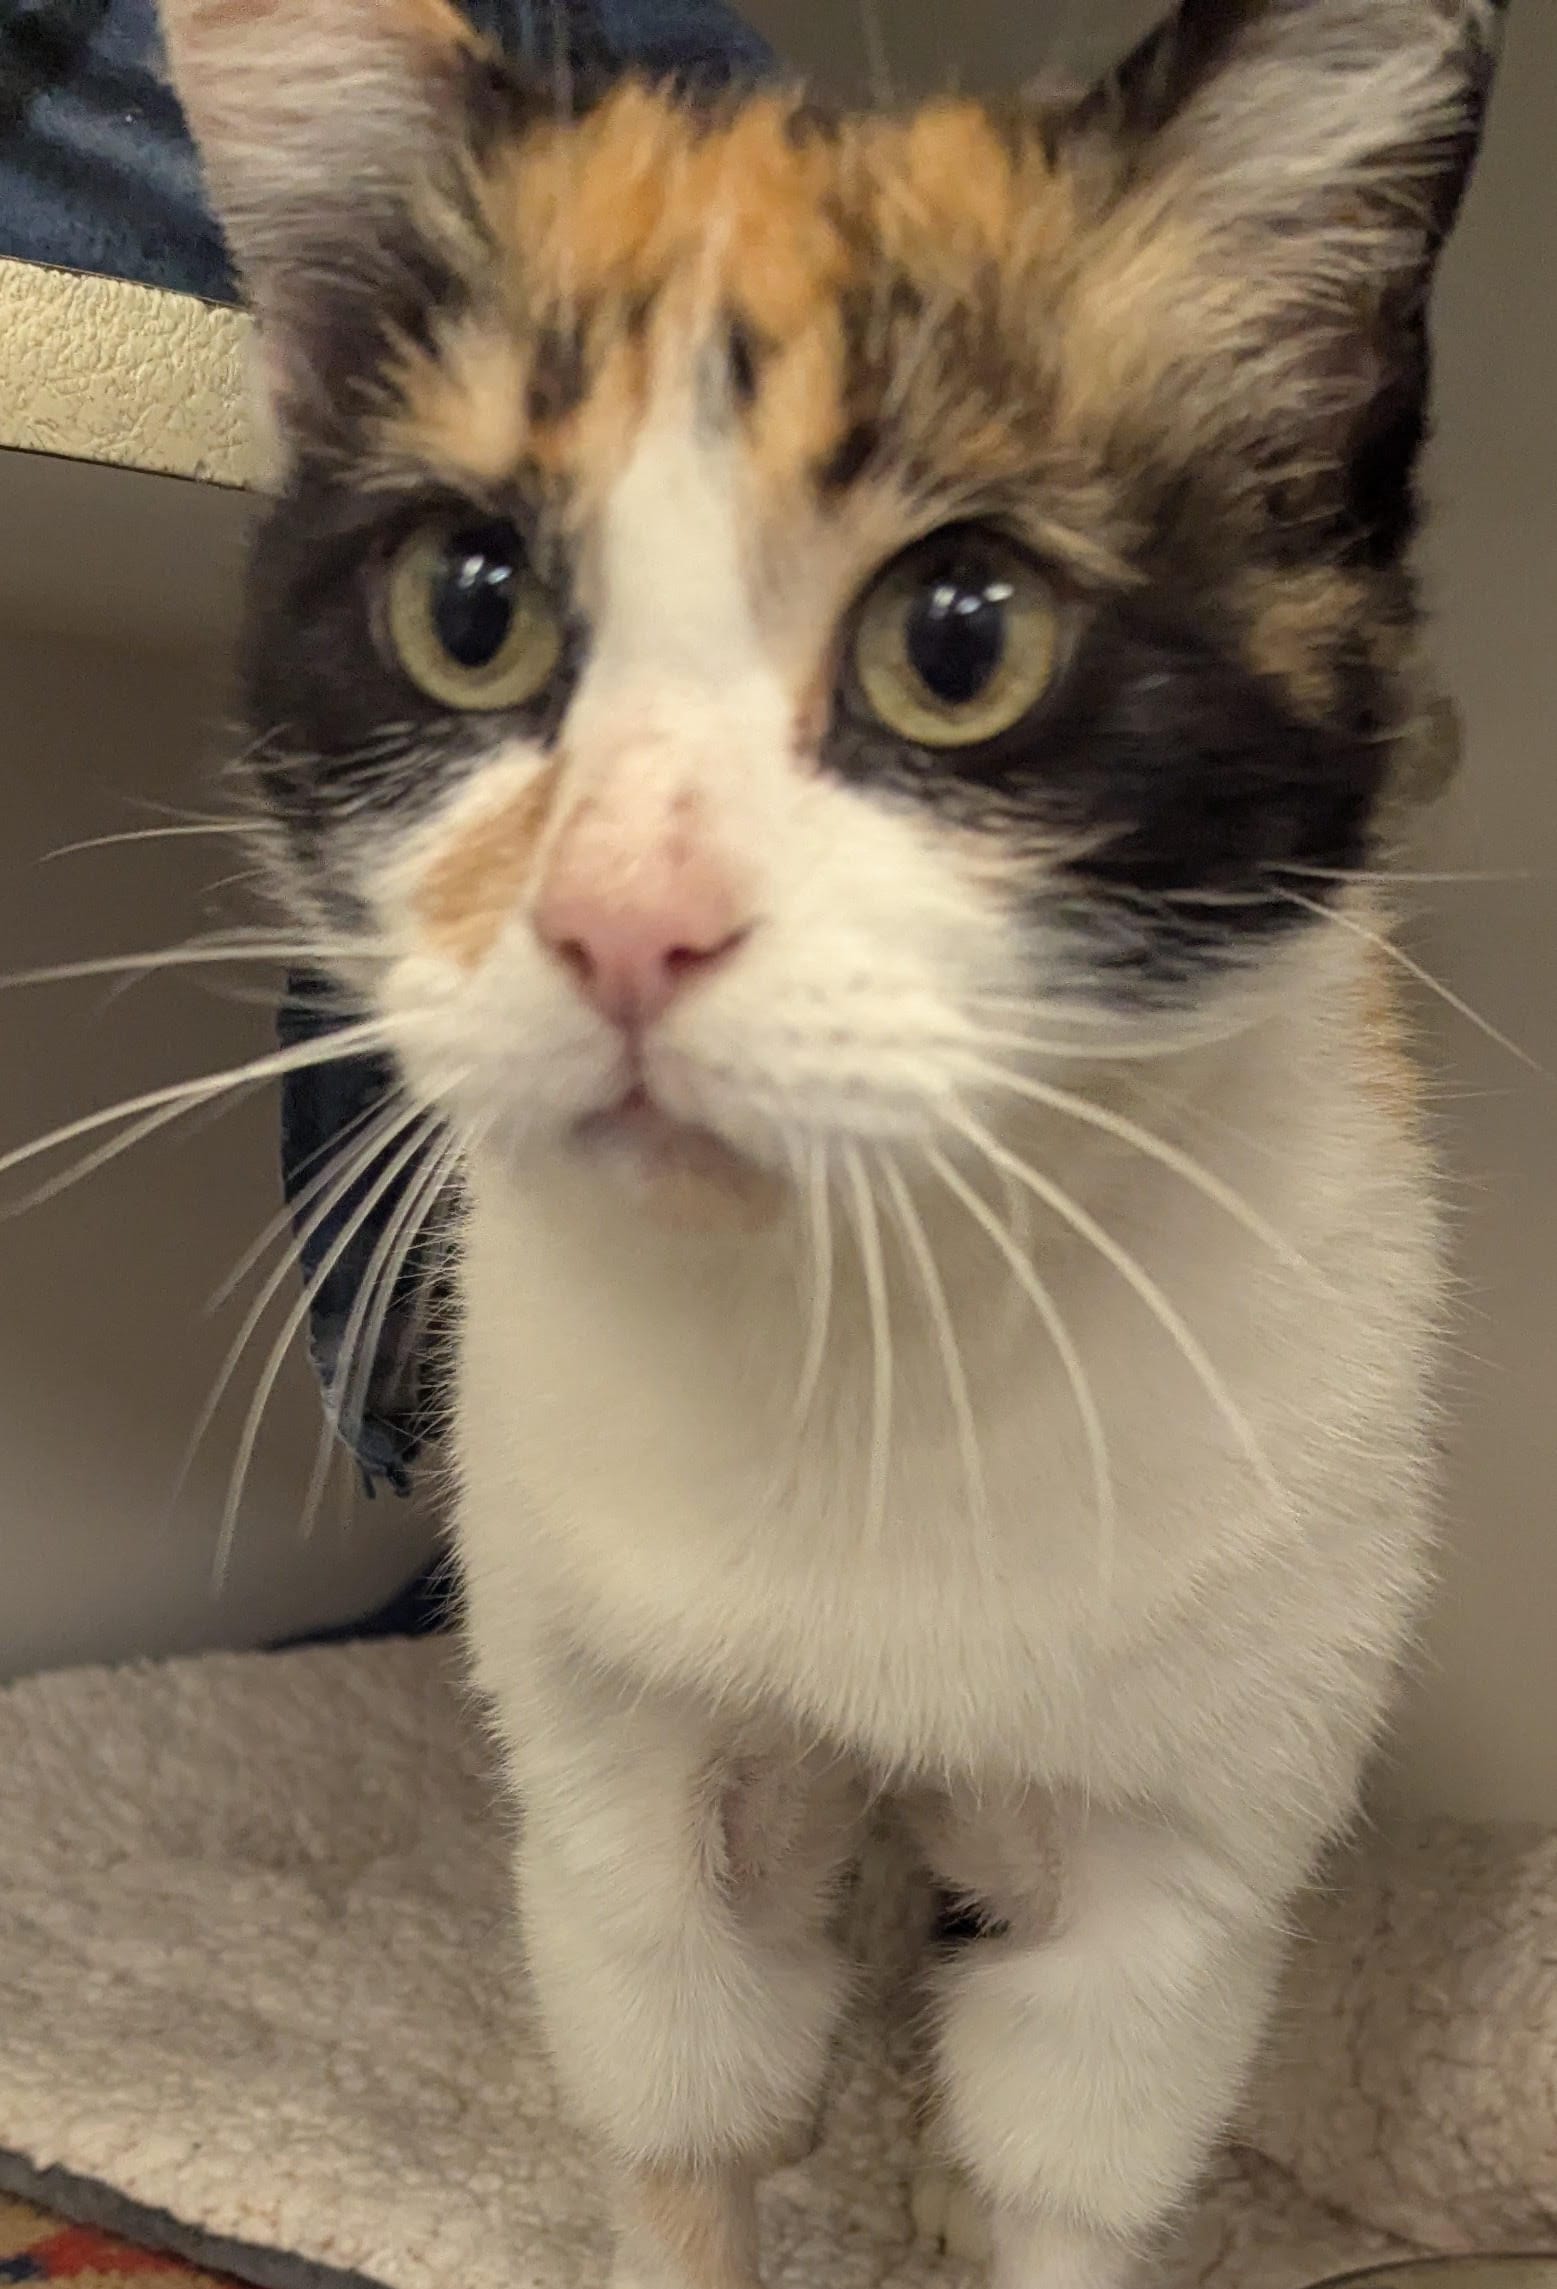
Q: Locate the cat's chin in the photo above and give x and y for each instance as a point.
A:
(681, 1175)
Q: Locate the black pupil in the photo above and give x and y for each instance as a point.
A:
(957, 633)
(476, 595)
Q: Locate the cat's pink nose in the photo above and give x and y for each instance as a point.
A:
(633, 937)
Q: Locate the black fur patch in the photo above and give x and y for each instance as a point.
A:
(854, 453)
(341, 733)
(1166, 788)
(559, 374)
(746, 354)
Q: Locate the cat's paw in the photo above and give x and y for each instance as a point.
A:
(949, 2215)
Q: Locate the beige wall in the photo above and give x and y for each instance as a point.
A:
(1482, 1732)
(864, 45)
(106, 1349)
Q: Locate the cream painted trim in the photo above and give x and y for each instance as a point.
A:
(98, 369)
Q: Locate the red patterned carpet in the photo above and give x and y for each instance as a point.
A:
(38, 2248)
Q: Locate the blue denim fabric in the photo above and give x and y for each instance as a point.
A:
(97, 173)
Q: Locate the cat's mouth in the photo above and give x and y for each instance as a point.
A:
(684, 1170)
(637, 1125)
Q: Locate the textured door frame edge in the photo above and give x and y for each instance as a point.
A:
(101, 369)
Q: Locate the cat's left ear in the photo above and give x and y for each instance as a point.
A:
(329, 131)
(1281, 105)
(1286, 173)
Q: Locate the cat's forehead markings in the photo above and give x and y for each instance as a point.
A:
(641, 191)
(461, 411)
(780, 260)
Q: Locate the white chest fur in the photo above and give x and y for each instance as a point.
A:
(634, 1486)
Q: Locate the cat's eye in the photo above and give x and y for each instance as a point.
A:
(470, 623)
(957, 641)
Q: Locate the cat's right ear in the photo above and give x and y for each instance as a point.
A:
(328, 131)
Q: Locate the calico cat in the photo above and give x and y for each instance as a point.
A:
(833, 680)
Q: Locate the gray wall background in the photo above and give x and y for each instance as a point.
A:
(914, 44)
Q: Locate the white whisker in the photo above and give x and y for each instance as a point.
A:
(194, 957)
(1423, 976)
(1147, 1050)
(1071, 1363)
(1167, 1155)
(185, 1095)
(288, 1219)
(247, 827)
(270, 1373)
(917, 1241)
(365, 1327)
(878, 1307)
(104, 1155)
(819, 1219)
(346, 1406)
(341, 1181)
(347, 1403)
(1167, 1315)
(1386, 877)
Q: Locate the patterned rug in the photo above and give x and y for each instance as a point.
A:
(34, 2247)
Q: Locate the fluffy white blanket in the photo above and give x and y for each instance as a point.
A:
(256, 1975)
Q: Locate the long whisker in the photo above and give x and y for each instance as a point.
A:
(341, 1181)
(270, 1373)
(196, 957)
(370, 1307)
(878, 1307)
(1423, 976)
(103, 1155)
(187, 1094)
(346, 1402)
(288, 1219)
(1071, 1363)
(1163, 1310)
(359, 1347)
(1387, 876)
(1145, 1051)
(819, 1217)
(917, 1240)
(154, 834)
(1167, 1155)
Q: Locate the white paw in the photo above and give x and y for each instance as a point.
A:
(1044, 2254)
(949, 2215)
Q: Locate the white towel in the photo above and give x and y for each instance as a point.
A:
(256, 1974)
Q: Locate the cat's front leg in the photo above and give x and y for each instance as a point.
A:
(675, 1883)
(1091, 2053)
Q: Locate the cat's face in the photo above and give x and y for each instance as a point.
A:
(766, 610)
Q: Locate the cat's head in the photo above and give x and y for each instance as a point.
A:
(766, 608)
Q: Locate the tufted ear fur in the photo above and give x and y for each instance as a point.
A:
(1279, 109)
(333, 135)
(1287, 172)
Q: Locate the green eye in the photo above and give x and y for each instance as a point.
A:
(957, 641)
(470, 623)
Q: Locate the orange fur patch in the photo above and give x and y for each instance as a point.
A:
(641, 237)
(1297, 625)
(461, 409)
(702, 2224)
(473, 889)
